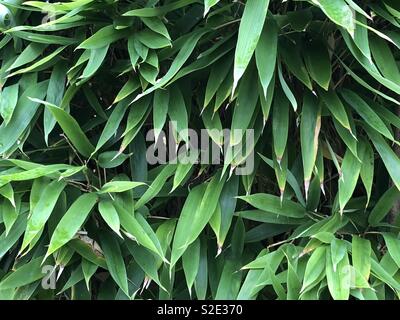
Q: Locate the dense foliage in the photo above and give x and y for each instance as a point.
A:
(84, 215)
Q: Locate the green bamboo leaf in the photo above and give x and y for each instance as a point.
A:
(158, 11)
(286, 89)
(338, 278)
(227, 204)
(178, 62)
(250, 29)
(367, 169)
(366, 112)
(178, 114)
(110, 215)
(96, 59)
(190, 262)
(71, 128)
(314, 269)
(10, 213)
(56, 95)
(335, 106)
(114, 260)
(318, 63)
(30, 53)
(87, 251)
(201, 282)
(8, 102)
(156, 25)
(280, 124)
(129, 87)
(309, 132)
(361, 38)
(112, 124)
(393, 246)
(273, 204)
(389, 158)
(203, 201)
(156, 185)
(24, 112)
(119, 186)
(71, 222)
(88, 270)
(339, 12)
(38, 64)
(160, 110)
(383, 206)
(244, 109)
(291, 56)
(147, 262)
(266, 53)
(7, 241)
(42, 211)
(378, 271)
(152, 40)
(7, 192)
(361, 258)
(183, 170)
(217, 76)
(26, 274)
(212, 122)
(112, 159)
(76, 277)
(103, 37)
(384, 59)
(208, 4)
(268, 217)
(350, 169)
(138, 231)
(338, 252)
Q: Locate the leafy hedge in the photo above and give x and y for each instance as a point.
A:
(83, 215)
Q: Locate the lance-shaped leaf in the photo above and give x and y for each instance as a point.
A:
(160, 110)
(361, 258)
(273, 204)
(203, 201)
(383, 206)
(110, 215)
(250, 29)
(71, 222)
(338, 278)
(389, 158)
(244, 109)
(22, 116)
(266, 52)
(314, 268)
(309, 132)
(8, 101)
(335, 106)
(71, 128)
(119, 186)
(351, 167)
(42, 211)
(114, 260)
(339, 12)
(138, 229)
(393, 246)
(318, 63)
(190, 263)
(366, 112)
(367, 168)
(26, 274)
(280, 124)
